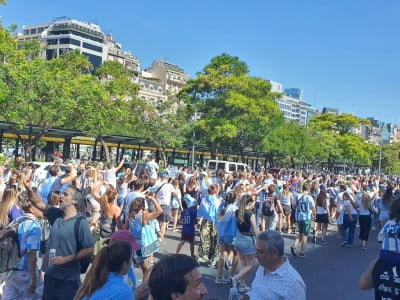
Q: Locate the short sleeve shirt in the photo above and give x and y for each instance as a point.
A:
(285, 283)
(29, 235)
(67, 238)
(114, 288)
(164, 193)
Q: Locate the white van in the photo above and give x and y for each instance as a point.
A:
(228, 166)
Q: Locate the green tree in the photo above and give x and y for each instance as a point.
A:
(168, 125)
(390, 160)
(236, 110)
(37, 92)
(341, 144)
(109, 105)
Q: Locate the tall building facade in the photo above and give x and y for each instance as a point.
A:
(291, 103)
(65, 34)
(161, 80)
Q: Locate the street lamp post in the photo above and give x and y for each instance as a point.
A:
(194, 137)
(380, 158)
(380, 151)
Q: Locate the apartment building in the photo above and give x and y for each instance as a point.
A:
(291, 103)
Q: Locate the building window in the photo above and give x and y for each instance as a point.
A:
(26, 32)
(51, 53)
(92, 47)
(52, 42)
(94, 59)
(33, 31)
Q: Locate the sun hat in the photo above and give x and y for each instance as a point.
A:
(125, 236)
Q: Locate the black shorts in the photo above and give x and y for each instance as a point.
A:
(166, 214)
(322, 218)
(187, 238)
(287, 209)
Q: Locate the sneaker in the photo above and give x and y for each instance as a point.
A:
(364, 247)
(343, 243)
(350, 246)
(233, 281)
(293, 250)
(293, 231)
(244, 289)
(221, 280)
(174, 229)
(323, 242)
(203, 259)
(373, 228)
(302, 255)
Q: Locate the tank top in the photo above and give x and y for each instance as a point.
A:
(107, 226)
(244, 227)
(285, 200)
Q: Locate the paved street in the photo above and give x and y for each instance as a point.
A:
(330, 272)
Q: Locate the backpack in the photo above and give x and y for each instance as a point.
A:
(86, 261)
(268, 207)
(86, 208)
(10, 253)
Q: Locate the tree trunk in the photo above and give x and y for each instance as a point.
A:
(164, 156)
(28, 147)
(292, 163)
(106, 150)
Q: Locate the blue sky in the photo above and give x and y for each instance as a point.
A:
(344, 54)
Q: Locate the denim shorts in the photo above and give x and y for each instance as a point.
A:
(226, 240)
(166, 214)
(245, 244)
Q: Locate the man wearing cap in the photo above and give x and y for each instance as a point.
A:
(125, 236)
(164, 192)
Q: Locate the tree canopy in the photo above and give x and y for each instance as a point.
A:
(236, 110)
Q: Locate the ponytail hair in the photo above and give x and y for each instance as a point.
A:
(243, 202)
(109, 259)
(108, 197)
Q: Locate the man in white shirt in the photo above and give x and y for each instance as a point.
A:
(110, 175)
(275, 278)
(152, 168)
(163, 193)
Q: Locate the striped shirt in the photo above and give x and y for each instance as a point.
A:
(29, 235)
(304, 204)
(390, 236)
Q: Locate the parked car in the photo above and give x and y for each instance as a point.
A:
(228, 166)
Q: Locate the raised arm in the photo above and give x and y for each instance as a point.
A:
(33, 197)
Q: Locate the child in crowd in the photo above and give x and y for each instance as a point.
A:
(189, 218)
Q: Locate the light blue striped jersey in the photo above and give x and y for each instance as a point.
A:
(29, 235)
(390, 236)
(304, 204)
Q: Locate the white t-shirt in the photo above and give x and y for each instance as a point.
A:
(321, 210)
(164, 193)
(110, 176)
(152, 169)
(347, 203)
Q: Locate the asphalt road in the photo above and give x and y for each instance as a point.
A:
(329, 271)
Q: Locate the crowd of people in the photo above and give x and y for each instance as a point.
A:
(92, 214)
